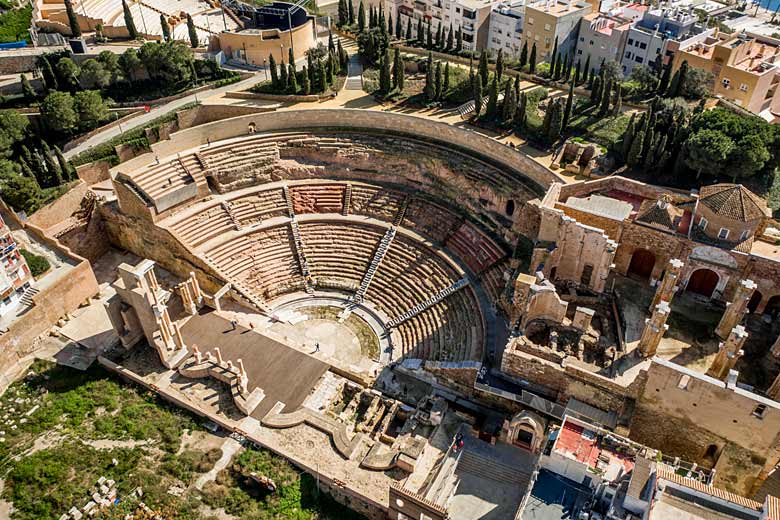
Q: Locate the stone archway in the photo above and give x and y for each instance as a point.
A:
(755, 301)
(772, 306)
(525, 430)
(642, 264)
(703, 282)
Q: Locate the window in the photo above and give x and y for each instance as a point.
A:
(703, 223)
(629, 55)
(683, 383)
(530, 20)
(725, 82)
(547, 27)
(639, 59)
(642, 45)
(631, 41)
(582, 39)
(743, 87)
(723, 233)
(743, 236)
(579, 52)
(759, 411)
(590, 43)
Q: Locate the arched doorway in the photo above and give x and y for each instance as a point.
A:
(755, 300)
(642, 263)
(772, 307)
(510, 207)
(703, 282)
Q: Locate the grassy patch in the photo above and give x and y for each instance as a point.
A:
(37, 264)
(601, 130)
(15, 25)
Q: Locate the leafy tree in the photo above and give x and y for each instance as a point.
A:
(611, 70)
(20, 192)
(695, 83)
(73, 20)
(707, 150)
(58, 112)
(748, 157)
(129, 22)
(129, 63)
(398, 71)
(110, 62)
(193, 32)
(90, 107)
(644, 76)
(68, 74)
(166, 29)
(29, 93)
(361, 19)
(93, 75)
(532, 59)
(13, 130)
(167, 62)
(68, 171)
(773, 197)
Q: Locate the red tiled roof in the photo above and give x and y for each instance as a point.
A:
(772, 508)
(733, 201)
(667, 473)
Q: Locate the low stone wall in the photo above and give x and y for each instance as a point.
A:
(94, 172)
(202, 114)
(60, 209)
(11, 63)
(311, 98)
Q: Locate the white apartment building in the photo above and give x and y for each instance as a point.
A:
(506, 28)
(472, 16)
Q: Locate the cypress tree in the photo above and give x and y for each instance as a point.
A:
(446, 86)
(420, 33)
(274, 71)
(391, 29)
(577, 73)
(73, 20)
(351, 12)
(282, 76)
(192, 31)
(429, 36)
(430, 87)
(331, 44)
(649, 135)
(556, 121)
(547, 119)
(554, 55)
(47, 73)
(129, 23)
(477, 95)
(450, 39)
(398, 71)
(459, 40)
(371, 20)
(322, 76)
(606, 96)
(618, 100)
(27, 90)
(310, 71)
(292, 80)
(27, 172)
(398, 29)
(635, 151)
(166, 29)
(510, 102)
(532, 59)
(438, 84)
(628, 137)
(492, 104)
(517, 88)
(586, 69)
(305, 82)
(39, 169)
(291, 57)
(591, 79)
(483, 67)
(660, 152)
(595, 92)
(68, 171)
(519, 120)
(409, 30)
(51, 165)
(678, 81)
(439, 37)
(385, 82)
(665, 77)
(330, 65)
(342, 13)
(500, 64)
(557, 68)
(524, 55)
(361, 17)
(568, 108)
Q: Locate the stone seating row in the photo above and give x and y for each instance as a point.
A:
(492, 280)
(258, 206)
(375, 201)
(203, 226)
(167, 176)
(318, 198)
(429, 219)
(475, 248)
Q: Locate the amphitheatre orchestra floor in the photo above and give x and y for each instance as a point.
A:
(284, 374)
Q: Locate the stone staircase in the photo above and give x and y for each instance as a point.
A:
(27, 297)
(384, 245)
(433, 300)
(228, 207)
(399, 216)
(347, 200)
(298, 243)
(491, 469)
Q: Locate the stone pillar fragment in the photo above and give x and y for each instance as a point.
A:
(668, 286)
(729, 352)
(654, 330)
(582, 318)
(195, 288)
(736, 309)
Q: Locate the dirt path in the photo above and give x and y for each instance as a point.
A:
(229, 448)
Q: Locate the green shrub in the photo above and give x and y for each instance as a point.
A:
(15, 25)
(37, 264)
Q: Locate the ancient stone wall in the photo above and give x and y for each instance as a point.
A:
(94, 172)
(610, 226)
(61, 209)
(203, 114)
(636, 236)
(702, 420)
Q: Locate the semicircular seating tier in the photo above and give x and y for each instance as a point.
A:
(417, 283)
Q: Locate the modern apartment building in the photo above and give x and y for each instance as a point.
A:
(745, 68)
(602, 37)
(506, 28)
(472, 16)
(15, 276)
(654, 35)
(546, 20)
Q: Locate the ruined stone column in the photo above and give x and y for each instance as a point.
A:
(736, 309)
(165, 333)
(668, 286)
(654, 330)
(179, 340)
(582, 318)
(186, 298)
(195, 287)
(729, 352)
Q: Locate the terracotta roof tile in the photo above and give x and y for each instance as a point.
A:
(733, 201)
(667, 473)
(651, 212)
